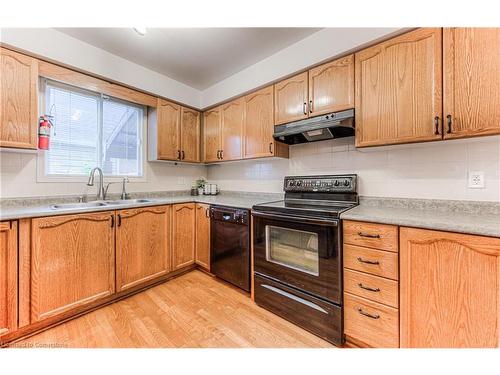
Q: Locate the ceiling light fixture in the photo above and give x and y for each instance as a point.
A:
(140, 30)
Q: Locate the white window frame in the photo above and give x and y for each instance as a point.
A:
(41, 159)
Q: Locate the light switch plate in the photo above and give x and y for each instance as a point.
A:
(476, 180)
(181, 181)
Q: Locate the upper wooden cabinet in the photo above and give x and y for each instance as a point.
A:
(212, 134)
(331, 86)
(203, 235)
(233, 115)
(471, 81)
(450, 289)
(8, 277)
(190, 135)
(72, 262)
(18, 100)
(258, 129)
(174, 133)
(142, 245)
(290, 99)
(398, 90)
(183, 235)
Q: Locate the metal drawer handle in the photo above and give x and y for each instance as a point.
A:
(361, 234)
(305, 108)
(360, 310)
(368, 288)
(295, 298)
(368, 261)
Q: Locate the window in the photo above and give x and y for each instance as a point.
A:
(92, 130)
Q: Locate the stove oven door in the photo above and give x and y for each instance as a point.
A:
(301, 252)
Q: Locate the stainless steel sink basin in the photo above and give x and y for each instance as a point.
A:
(77, 206)
(128, 201)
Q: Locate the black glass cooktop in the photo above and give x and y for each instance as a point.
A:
(306, 207)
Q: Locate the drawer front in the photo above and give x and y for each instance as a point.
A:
(370, 322)
(374, 288)
(377, 236)
(375, 262)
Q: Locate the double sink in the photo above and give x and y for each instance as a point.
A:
(86, 205)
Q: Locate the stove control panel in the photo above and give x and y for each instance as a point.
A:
(321, 184)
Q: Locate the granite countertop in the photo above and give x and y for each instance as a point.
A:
(37, 207)
(482, 218)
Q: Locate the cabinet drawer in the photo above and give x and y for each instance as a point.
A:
(375, 262)
(378, 236)
(371, 287)
(370, 322)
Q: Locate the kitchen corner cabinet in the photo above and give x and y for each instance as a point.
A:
(174, 133)
(398, 90)
(326, 88)
(142, 245)
(212, 126)
(183, 235)
(233, 115)
(72, 262)
(203, 235)
(471, 81)
(450, 289)
(8, 277)
(18, 100)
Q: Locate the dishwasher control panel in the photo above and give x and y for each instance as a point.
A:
(229, 215)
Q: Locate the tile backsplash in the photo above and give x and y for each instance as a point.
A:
(436, 170)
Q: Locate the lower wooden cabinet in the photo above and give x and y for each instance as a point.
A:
(72, 262)
(183, 235)
(142, 245)
(450, 289)
(8, 277)
(203, 235)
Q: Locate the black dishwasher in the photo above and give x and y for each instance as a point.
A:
(230, 245)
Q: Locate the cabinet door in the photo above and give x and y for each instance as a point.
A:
(471, 81)
(398, 90)
(190, 135)
(331, 86)
(203, 235)
(450, 289)
(212, 134)
(259, 125)
(168, 125)
(8, 277)
(18, 100)
(72, 262)
(233, 115)
(142, 245)
(290, 99)
(183, 235)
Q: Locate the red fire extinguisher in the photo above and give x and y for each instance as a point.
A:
(44, 132)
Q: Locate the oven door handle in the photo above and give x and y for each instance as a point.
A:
(295, 298)
(300, 219)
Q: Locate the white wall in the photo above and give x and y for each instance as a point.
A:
(59, 47)
(18, 178)
(437, 170)
(316, 48)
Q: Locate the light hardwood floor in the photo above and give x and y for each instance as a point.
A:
(193, 310)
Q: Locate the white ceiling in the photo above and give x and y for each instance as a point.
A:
(197, 57)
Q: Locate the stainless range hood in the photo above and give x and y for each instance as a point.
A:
(329, 126)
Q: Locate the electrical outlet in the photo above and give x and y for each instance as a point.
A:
(476, 180)
(181, 181)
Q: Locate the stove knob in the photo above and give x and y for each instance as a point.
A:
(299, 183)
(291, 183)
(336, 183)
(346, 183)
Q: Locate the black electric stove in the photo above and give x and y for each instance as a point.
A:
(298, 252)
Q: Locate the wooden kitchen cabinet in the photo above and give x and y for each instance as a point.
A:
(398, 90)
(233, 115)
(72, 262)
(331, 86)
(18, 100)
(471, 68)
(450, 289)
(212, 126)
(291, 99)
(142, 245)
(175, 133)
(8, 277)
(183, 235)
(203, 235)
